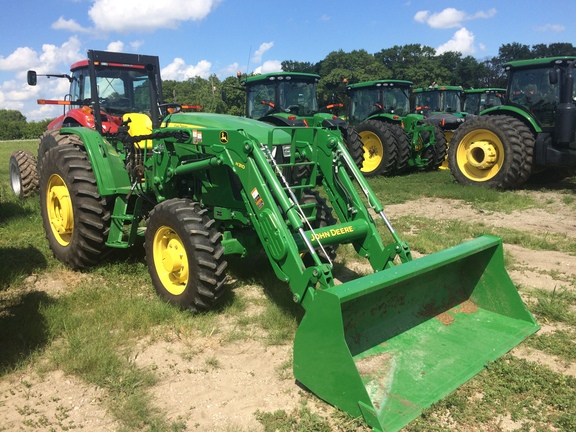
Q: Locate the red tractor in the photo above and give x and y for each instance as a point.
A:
(103, 88)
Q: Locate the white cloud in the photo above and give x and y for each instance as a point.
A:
(22, 58)
(117, 46)
(178, 70)
(269, 66)
(135, 45)
(555, 28)
(147, 15)
(69, 25)
(257, 57)
(18, 95)
(229, 70)
(462, 41)
(450, 17)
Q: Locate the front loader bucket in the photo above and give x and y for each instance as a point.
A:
(388, 345)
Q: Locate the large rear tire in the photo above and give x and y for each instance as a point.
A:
(492, 151)
(53, 138)
(185, 255)
(23, 173)
(439, 152)
(380, 150)
(76, 218)
(402, 148)
(354, 145)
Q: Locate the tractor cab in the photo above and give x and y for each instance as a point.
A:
(538, 87)
(290, 99)
(476, 100)
(106, 87)
(382, 97)
(281, 97)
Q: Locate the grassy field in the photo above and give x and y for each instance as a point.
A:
(91, 328)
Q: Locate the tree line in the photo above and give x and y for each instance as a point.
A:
(413, 62)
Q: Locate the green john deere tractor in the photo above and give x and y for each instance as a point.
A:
(531, 135)
(442, 105)
(480, 99)
(394, 139)
(200, 187)
(290, 99)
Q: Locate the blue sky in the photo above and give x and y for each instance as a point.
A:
(203, 37)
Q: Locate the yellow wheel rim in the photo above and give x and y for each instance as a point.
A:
(170, 260)
(448, 135)
(59, 209)
(480, 155)
(373, 151)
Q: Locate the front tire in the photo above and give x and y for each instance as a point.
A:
(380, 150)
(185, 255)
(23, 173)
(76, 218)
(492, 151)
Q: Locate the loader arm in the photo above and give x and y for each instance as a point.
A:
(382, 346)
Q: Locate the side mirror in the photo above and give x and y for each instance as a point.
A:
(31, 77)
(553, 76)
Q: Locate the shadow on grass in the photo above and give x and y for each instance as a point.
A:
(23, 329)
(258, 270)
(18, 262)
(15, 210)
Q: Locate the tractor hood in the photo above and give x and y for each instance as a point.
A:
(257, 129)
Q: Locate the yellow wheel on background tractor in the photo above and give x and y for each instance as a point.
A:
(170, 260)
(59, 209)
(492, 151)
(480, 155)
(185, 255)
(380, 148)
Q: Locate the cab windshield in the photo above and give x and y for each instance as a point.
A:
(531, 89)
(298, 98)
(371, 101)
(439, 101)
(120, 90)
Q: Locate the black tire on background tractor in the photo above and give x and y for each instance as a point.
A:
(53, 138)
(380, 148)
(402, 148)
(324, 217)
(440, 150)
(185, 255)
(23, 173)
(354, 145)
(76, 218)
(492, 151)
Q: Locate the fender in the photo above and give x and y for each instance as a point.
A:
(329, 121)
(108, 165)
(513, 111)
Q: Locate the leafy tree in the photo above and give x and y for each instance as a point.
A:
(514, 51)
(296, 66)
(553, 50)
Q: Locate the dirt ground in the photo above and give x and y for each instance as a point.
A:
(251, 376)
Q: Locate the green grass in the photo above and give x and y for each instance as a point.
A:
(92, 327)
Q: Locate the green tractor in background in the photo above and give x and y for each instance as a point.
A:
(531, 135)
(290, 99)
(394, 138)
(480, 99)
(442, 105)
